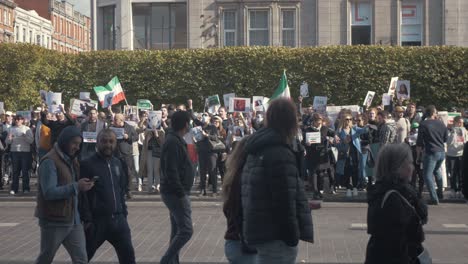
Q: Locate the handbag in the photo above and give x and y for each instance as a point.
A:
(370, 159)
(424, 257)
(216, 145)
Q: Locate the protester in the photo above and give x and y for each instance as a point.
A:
(206, 156)
(90, 125)
(395, 215)
(19, 139)
(411, 114)
(402, 125)
(360, 122)
(417, 174)
(44, 137)
(387, 128)
(62, 120)
(457, 139)
(150, 162)
(103, 209)
(432, 136)
(465, 172)
(57, 199)
(275, 211)
(221, 154)
(176, 182)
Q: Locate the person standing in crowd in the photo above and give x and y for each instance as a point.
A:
(176, 182)
(224, 119)
(417, 174)
(103, 209)
(62, 120)
(206, 157)
(432, 136)
(124, 149)
(395, 215)
(365, 138)
(165, 119)
(20, 139)
(457, 139)
(44, 137)
(465, 172)
(222, 154)
(411, 113)
(151, 157)
(57, 199)
(235, 248)
(275, 210)
(90, 125)
(402, 125)
(387, 128)
(4, 128)
(349, 150)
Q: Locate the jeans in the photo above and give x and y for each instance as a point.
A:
(275, 252)
(72, 238)
(234, 254)
(362, 169)
(181, 226)
(153, 169)
(21, 162)
(454, 169)
(207, 163)
(431, 166)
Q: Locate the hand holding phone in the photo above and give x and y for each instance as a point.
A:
(95, 178)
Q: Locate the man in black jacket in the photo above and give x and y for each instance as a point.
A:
(176, 182)
(103, 208)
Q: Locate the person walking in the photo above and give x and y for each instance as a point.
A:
(176, 182)
(103, 209)
(150, 162)
(275, 210)
(395, 216)
(458, 136)
(57, 199)
(432, 135)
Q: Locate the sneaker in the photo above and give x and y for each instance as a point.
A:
(355, 192)
(26, 191)
(140, 188)
(12, 192)
(348, 193)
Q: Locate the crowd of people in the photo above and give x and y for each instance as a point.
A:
(262, 160)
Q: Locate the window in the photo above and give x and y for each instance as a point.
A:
(361, 23)
(411, 24)
(38, 40)
(288, 28)
(5, 14)
(108, 14)
(230, 28)
(8, 18)
(48, 42)
(17, 33)
(24, 35)
(30, 36)
(259, 34)
(160, 26)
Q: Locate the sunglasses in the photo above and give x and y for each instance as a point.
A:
(349, 119)
(358, 120)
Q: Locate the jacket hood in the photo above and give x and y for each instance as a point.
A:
(263, 138)
(67, 135)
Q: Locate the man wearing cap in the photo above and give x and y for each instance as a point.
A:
(402, 125)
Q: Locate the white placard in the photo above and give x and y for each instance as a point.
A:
(386, 99)
(43, 95)
(258, 103)
(53, 101)
(80, 107)
(197, 133)
(320, 103)
(213, 104)
(266, 102)
(313, 138)
(89, 137)
(392, 87)
(119, 132)
(403, 90)
(304, 90)
(369, 97)
(85, 96)
(154, 119)
(2, 107)
(131, 113)
(226, 99)
(237, 104)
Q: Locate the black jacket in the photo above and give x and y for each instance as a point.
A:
(396, 232)
(107, 197)
(465, 171)
(176, 168)
(56, 127)
(274, 205)
(203, 146)
(318, 153)
(125, 146)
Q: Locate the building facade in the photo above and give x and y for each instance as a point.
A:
(32, 28)
(169, 24)
(71, 29)
(7, 14)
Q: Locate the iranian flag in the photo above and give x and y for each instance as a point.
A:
(110, 94)
(283, 88)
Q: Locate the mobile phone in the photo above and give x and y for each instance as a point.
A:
(95, 178)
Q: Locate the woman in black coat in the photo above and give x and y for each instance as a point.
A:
(395, 215)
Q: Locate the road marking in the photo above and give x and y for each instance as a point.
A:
(8, 224)
(358, 226)
(455, 225)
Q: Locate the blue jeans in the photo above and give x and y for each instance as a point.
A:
(362, 169)
(431, 166)
(181, 226)
(21, 162)
(72, 238)
(234, 254)
(275, 252)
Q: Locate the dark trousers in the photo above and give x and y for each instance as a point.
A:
(116, 231)
(21, 162)
(221, 165)
(454, 169)
(207, 162)
(351, 171)
(129, 161)
(180, 214)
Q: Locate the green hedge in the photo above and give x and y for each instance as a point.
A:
(438, 75)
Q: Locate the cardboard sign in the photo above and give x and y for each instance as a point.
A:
(119, 132)
(320, 103)
(304, 90)
(154, 119)
(451, 116)
(131, 113)
(226, 98)
(258, 103)
(369, 98)
(213, 104)
(386, 99)
(392, 87)
(313, 138)
(25, 114)
(403, 90)
(89, 137)
(2, 107)
(237, 104)
(86, 96)
(80, 107)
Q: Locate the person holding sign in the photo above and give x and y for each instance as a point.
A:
(89, 129)
(150, 162)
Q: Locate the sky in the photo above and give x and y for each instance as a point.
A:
(82, 6)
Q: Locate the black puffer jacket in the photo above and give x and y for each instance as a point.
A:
(396, 229)
(274, 204)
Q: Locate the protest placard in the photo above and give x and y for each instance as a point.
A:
(54, 100)
(197, 133)
(386, 99)
(119, 132)
(226, 99)
(154, 119)
(86, 96)
(392, 87)
(89, 137)
(258, 103)
(320, 104)
(369, 98)
(80, 107)
(451, 116)
(304, 90)
(131, 113)
(313, 137)
(144, 104)
(43, 95)
(2, 107)
(403, 89)
(213, 104)
(237, 104)
(25, 114)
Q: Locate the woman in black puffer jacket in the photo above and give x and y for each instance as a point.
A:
(395, 215)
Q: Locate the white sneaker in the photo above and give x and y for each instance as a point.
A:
(140, 188)
(355, 192)
(12, 192)
(348, 193)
